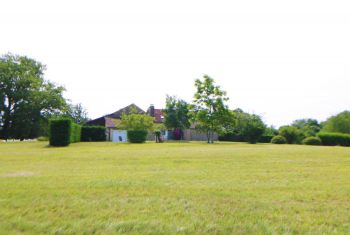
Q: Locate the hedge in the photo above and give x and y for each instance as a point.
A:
(241, 138)
(333, 139)
(232, 138)
(137, 136)
(93, 133)
(265, 139)
(75, 133)
(60, 132)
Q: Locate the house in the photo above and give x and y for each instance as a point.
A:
(116, 134)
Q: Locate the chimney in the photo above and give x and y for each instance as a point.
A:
(151, 110)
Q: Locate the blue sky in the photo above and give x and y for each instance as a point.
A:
(282, 60)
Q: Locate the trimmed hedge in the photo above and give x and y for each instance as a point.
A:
(60, 132)
(312, 140)
(333, 139)
(278, 139)
(75, 133)
(241, 138)
(232, 138)
(93, 133)
(265, 139)
(137, 136)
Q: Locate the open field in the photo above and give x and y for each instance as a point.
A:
(185, 188)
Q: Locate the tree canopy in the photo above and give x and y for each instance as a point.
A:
(210, 112)
(26, 98)
(338, 123)
(176, 114)
(137, 122)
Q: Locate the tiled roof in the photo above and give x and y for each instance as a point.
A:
(158, 116)
(126, 110)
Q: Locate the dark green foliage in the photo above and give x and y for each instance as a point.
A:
(243, 127)
(339, 123)
(265, 138)
(93, 133)
(27, 100)
(75, 133)
(176, 114)
(292, 134)
(333, 139)
(270, 131)
(158, 134)
(137, 136)
(278, 139)
(60, 132)
(253, 129)
(232, 138)
(308, 127)
(312, 140)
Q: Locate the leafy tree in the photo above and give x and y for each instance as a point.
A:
(271, 131)
(176, 114)
(309, 127)
(249, 127)
(292, 134)
(338, 123)
(209, 110)
(77, 113)
(137, 122)
(26, 98)
(253, 128)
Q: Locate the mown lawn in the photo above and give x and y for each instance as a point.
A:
(184, 188)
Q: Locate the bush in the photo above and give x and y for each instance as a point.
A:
(292, 134)
(93, 133)
(333, 139)
(43, 138)
(75, 133)
(60, 132)
(312, 141)
(278, 139)
(137, 136)
(265, 139)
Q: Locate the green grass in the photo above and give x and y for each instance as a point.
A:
(184, 188)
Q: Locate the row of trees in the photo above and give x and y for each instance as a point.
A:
(28, 101)
(209, 113)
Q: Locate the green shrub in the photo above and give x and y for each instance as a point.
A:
(75, 133)
(265, 139)
(43, 138)
(278, 139)
(333, 139)
(93, 133)
(292, 134)
(137, 136)
(312, 140)
(60, 132)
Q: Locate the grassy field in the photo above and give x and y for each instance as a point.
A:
(184, 188)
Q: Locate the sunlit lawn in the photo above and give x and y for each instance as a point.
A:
(185, 188)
